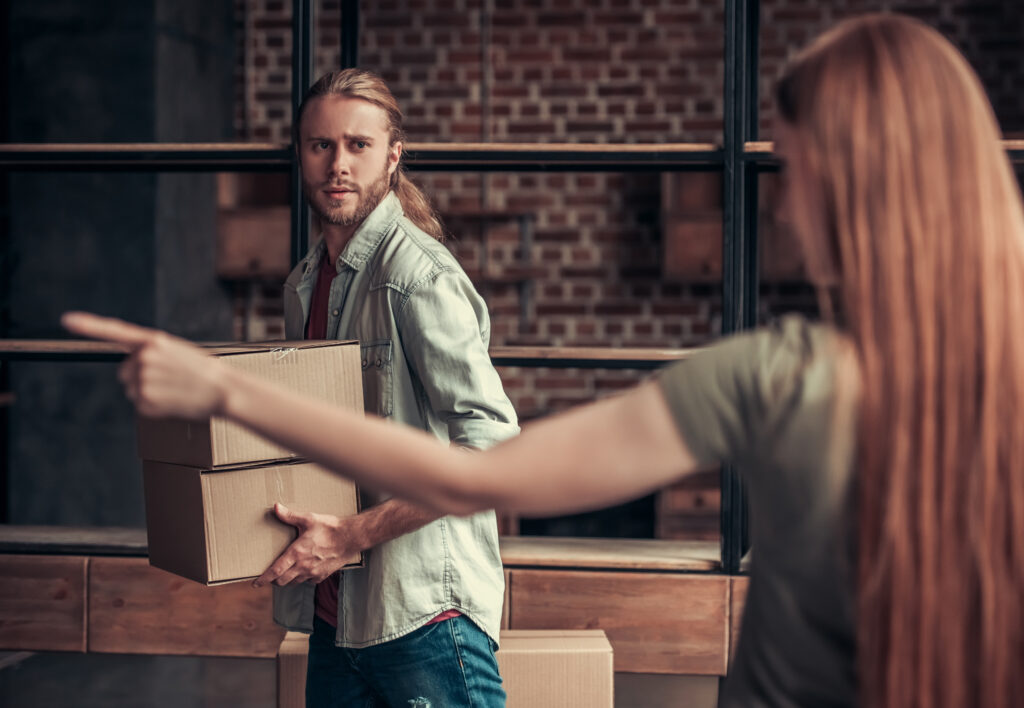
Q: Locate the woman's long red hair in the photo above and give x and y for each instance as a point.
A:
(922, 227)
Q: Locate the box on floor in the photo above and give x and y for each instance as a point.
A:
(540, 669)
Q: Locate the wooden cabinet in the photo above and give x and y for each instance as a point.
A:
(137, 609)
(662, 604)
(656, 622)
(42, 603)
(691, 217)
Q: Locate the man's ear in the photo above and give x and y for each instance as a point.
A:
(394, 156)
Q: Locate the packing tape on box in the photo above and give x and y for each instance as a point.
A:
(281, 486)
(281, 352)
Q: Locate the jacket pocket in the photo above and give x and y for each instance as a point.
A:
(378, 394)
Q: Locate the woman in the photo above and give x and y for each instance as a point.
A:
(884, 464)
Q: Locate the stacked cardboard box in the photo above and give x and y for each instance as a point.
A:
(210, 486)
(546, 668)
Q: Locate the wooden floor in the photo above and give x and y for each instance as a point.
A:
(65, 680)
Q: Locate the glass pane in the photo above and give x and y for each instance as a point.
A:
(989, 34)
(543, 71)
(152, 248)
(612, 260)
(128, 71)
(127, 681)
(784, 284)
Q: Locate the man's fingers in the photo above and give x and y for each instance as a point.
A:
(291, 575)
(276, 569)
(106, 328)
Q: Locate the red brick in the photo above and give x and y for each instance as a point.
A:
(619, 18)
(387, 21)
(561, 19)
(502, 18)
(528, 56)
(264, 23)
(463, 56)
(621, 308)
(623, 90)
(414, 57)
(531, 128)
(580, 54)
(661, 126)
(647, 53)
(510, 91)
(448, 92)
(668, 17)
(456, 20)
(561, 309)
(580, 272)
(559, 235)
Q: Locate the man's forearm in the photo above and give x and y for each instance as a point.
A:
(388, 520)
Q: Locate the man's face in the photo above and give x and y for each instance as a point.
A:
(345, 157)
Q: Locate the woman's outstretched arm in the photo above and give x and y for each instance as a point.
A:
(586, 458)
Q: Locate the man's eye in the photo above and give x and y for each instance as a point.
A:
(360, 144)
(322, 145)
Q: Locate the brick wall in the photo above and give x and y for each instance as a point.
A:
(580, 71)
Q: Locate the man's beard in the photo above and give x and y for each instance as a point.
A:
(368, 199)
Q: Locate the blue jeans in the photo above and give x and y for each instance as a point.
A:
(451, 664)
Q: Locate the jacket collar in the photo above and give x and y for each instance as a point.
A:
(364, 241)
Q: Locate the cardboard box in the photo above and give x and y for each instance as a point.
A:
(327, 370)
(292, 660)
(218, 526)
(556, 667)
(546, 668)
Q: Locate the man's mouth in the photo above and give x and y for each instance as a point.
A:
(337, 192)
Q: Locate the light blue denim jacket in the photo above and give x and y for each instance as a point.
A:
(424, 332)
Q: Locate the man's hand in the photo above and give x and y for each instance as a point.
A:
(325, 544)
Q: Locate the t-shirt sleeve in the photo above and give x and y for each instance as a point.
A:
(727, 398)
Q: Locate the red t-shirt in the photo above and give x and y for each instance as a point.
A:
(326, 596)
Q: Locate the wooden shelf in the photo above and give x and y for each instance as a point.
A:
(764, 150)
(555, 357)
(516, 551)
(587, 357)
(220, 157)
(610, 554)
(226, 157)
(59, 350)
(73, 540)
(582, 357)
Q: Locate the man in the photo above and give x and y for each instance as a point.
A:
(421, 620)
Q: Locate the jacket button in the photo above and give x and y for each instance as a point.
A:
(335, 313)
(365, 363)
(378, 363)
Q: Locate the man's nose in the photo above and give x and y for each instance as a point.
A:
(339, 162)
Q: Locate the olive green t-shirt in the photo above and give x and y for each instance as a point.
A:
(765, 402)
